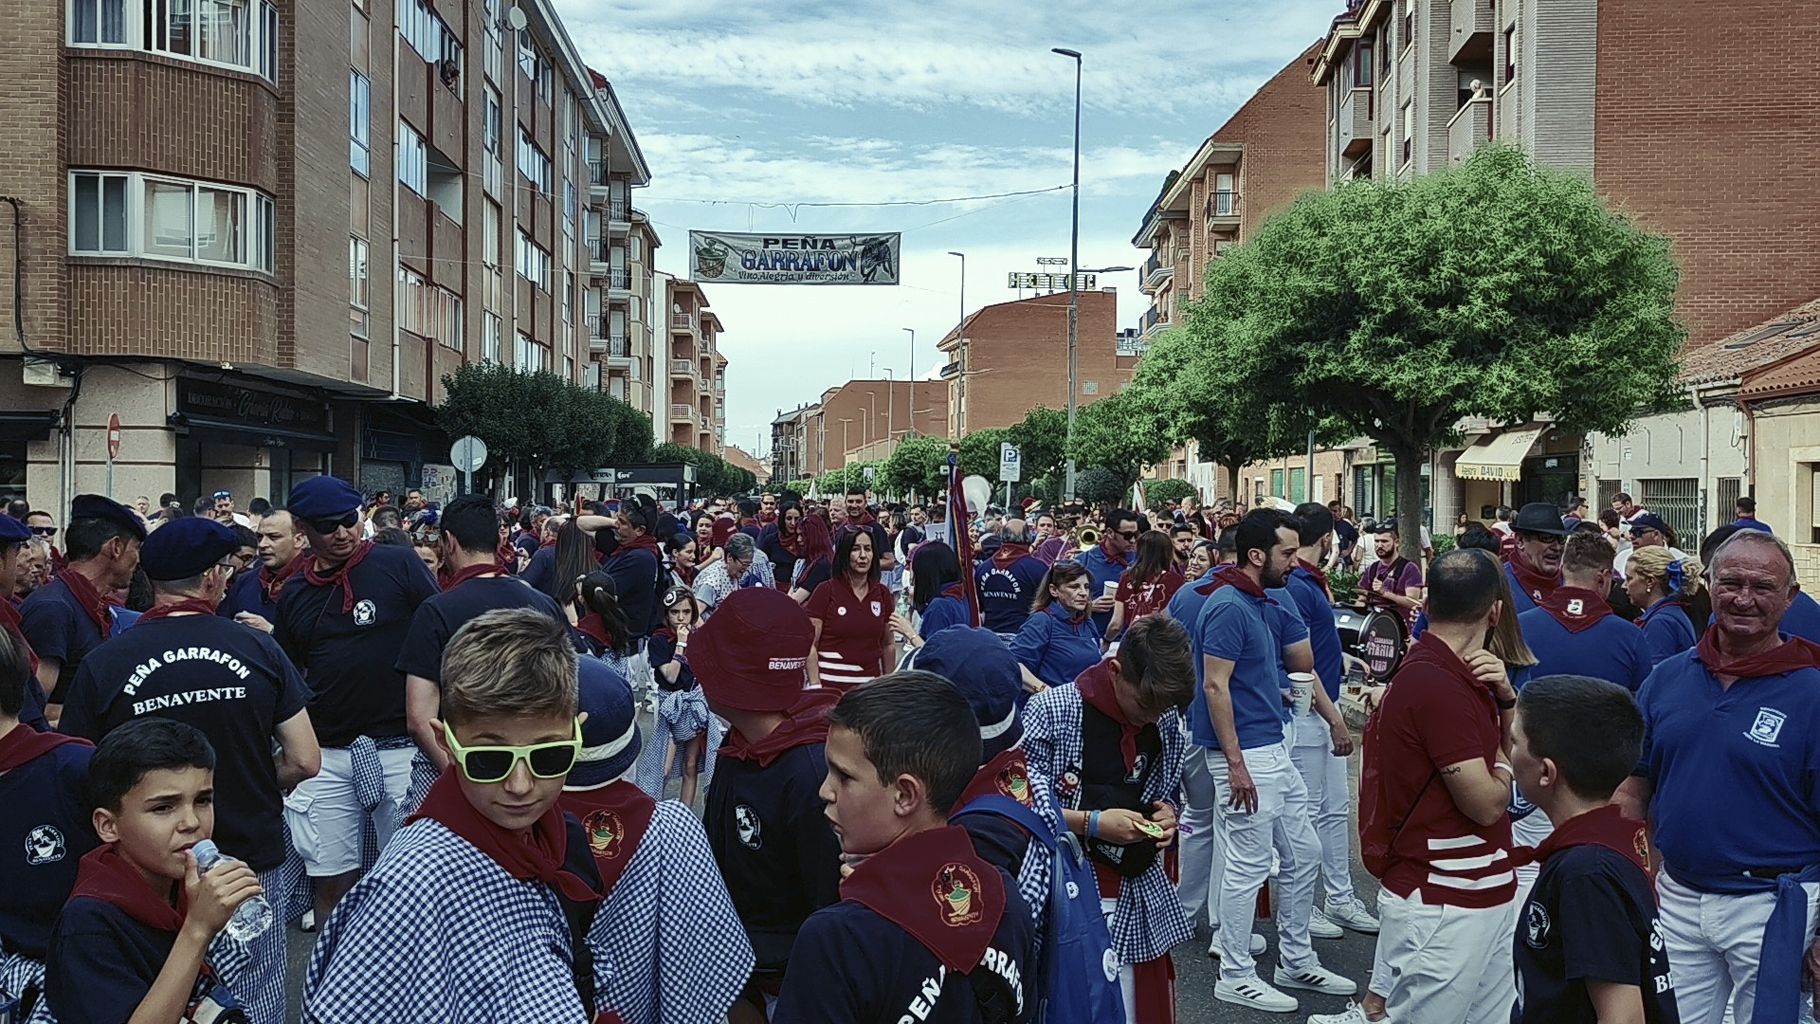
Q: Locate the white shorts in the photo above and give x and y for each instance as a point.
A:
(326, 818)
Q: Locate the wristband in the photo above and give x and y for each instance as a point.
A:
(1504, 705)
(1093, 825)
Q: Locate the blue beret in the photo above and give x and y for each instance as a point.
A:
(321, 497)
(94, 506)
(981, 666)
(186, 547)
(610, 739)
(12, 531)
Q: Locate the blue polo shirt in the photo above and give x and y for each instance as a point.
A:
(1236, 627)
(942, 612)
(1733, 770)
(1610, 649)
(1006, 592)
(1519, 594)
(1054, 649)
(1667, 630)
(1102, 570)
(57, 628)
(1316, 613)
(1803, 618)
(46, 831)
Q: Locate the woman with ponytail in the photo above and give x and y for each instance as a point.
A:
(1672, 593)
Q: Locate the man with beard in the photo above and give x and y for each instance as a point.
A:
(252, 598)
(1108, 561)
(1535, 563)
(69, 616)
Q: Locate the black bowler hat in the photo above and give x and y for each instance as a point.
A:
(94, 506)
(1540, 517)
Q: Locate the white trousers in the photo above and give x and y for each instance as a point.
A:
(1329, 803)
(1714, 944)
(1281, 820)
(1444, 965)
(1127, 974)
(1198, 840)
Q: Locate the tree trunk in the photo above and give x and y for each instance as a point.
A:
(1232, 481)
(1409, 502)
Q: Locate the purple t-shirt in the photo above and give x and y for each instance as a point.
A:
(1399, 576)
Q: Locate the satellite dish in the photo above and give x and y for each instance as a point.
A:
(515, 17)
(978, 491)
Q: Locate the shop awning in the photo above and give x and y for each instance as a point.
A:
(1499, 457)
(220, 430)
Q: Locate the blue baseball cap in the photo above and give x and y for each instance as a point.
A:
(981, 666)
(610, 739)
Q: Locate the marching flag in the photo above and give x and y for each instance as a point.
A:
(961, 538)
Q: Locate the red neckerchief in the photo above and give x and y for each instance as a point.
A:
(506, 554)
(806, 722)
(10, 619)
(472, 572)
(1561, 603)
(105, 874)
(749, 523)
(767, 518)
(195, 605)
(25, 743)
(271, 584)
(1538, 584)
(92, 603)
(956, 590)
(1123, 560)
(1319, 574)
(865, 519)
(686, 573)
(615, 817)
(1791, 655)
(1055, 608)
(340, 575)
(933, 886)
(1096, 687)
(594, 627)
(1008, 775)
(1233, 576)
(538, 854)
(791, 541)
(1008, 553)
(642, 542)
(1602, 826)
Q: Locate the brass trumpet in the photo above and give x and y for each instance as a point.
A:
(1087, 537)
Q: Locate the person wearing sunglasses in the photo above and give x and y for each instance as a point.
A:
(69, 615)
(343, 621)
(489, 864)
(1107, 561)
(44, 527)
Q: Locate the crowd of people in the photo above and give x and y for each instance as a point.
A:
(981, 767)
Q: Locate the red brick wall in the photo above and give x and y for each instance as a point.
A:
(1284, 130)
(138, 111)
(1705, 131)
(31, 170)
(856, 400)
(1018, 357)
(206, 316)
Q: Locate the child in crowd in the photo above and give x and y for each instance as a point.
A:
(445, 926)
(1588, 946)
(687, 735)
(925, 926)
(780, 859)
(1111, 746)
(135, 942)
(675, 951)
(46, 832)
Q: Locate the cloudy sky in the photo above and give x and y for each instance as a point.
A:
(743, 110)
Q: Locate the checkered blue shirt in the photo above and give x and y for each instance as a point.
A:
(668, 932)
(20, 974)
(1148, 920)
(439, 932)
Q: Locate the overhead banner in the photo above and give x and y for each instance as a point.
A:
(736, 258)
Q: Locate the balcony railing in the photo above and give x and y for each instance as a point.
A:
(682, 367)
(684, 322)
(1354, 133)
(1222, 203)
(684, 412)
(601, 251)
(1469, 128)
(1154, 320)
(619, 209)
(614, 346)
(597, 172)
(1157, 272)
(619, 278)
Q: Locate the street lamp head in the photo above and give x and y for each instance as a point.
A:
(962, 255)
(1105, 270)
(1076, 54)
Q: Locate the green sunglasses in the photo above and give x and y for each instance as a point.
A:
(494, 764)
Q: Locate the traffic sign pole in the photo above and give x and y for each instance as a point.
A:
(113, 448)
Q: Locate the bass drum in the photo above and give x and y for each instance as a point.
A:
(1382, 639)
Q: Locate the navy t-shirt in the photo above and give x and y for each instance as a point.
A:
(635, 573)
(1590, 917)
(439, 616)
(541, 572)
(58, 629)
(232, 683)
(345, 655)
(1006, 592)
(660, 651)
(246, 594)
(775, 849)
(45, 832)
(781, 560)
(101, 963)
(852, 966)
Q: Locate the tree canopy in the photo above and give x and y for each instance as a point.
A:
(1122, 434)
(1042, 443)
(541, 419)
(918, 464)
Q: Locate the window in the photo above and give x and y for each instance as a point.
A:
(532, 163)
(568, 205)
(1223, 195)
(360, 120)
(419, 25)
(428, 310)
(1409, 131)
(533, 262)
(1362, 64)
(636, 247)
(268, 40)
(530, 356)
(100, 22)
(1385, 49)
(1510, 54)
(489, 124)
(489, 338)
(1276, 483)
(568, 297)
(1409, 22)
(115, 214)
(490, 228)
(413, 160)
(358, 293)
(530, 61)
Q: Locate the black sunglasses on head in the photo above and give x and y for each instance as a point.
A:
(330, 524)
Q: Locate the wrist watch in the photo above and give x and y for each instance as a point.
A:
(1504, 705)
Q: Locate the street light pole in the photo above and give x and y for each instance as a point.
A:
(910, 427)
(1074, 262)
(890, 403)
(960, 348)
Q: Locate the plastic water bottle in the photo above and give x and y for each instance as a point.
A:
(252, 917)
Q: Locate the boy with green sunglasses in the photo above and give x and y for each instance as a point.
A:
(490, 888)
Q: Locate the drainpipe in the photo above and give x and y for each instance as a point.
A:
(397, 338)
(1706, 419)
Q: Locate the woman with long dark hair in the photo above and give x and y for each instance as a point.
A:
(575, 558)
(782, 543)
(1146, 587)
(936, 595)
(1058, 641)
(599, 620)
(679, 558)
(852, 615)
(816, 563)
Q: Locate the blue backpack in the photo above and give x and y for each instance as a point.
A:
(1077, 973)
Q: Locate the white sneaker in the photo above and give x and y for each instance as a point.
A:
(1351, 914)
(1257, 946)
(1353, 1014)
(1315, 978)
(1254, 993)
(1321, 928)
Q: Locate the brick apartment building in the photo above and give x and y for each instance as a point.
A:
(860, 421)
(622, 302)
(1011, 357)
(747, 461)
(261, 231)
(697, 371)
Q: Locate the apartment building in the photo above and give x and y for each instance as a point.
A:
(622, 338)
(697, 370)
(1015, 358)
(859, 421)
(1268, 152)
(759, 468)
(184, 206)
(789, 443)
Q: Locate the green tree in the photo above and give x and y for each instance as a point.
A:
(1042, 443)
(1157, 492)
(1497, 290)
(539, 419)
(1099, 485)
(919, 465)
(979, 453)
(1123, 434)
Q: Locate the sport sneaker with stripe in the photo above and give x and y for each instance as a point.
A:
(1315, 978)
(1254, 993)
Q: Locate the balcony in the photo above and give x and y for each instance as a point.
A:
(685, 413)
(1472, 32)
(684, 323)
(1155, 322)
(619, 212)
(1469, 129)
(619, 279)
(599, 256)
(684, 368)
(1157, 273)
(597, 175)
(1222, 208)
(1354, 133)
